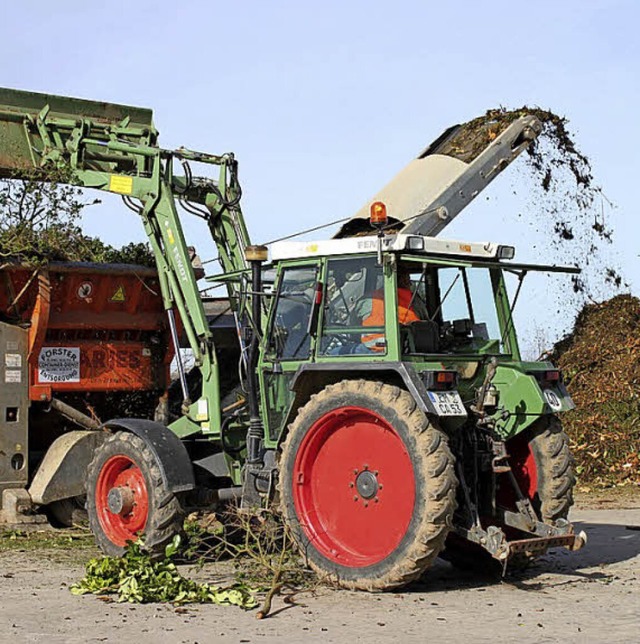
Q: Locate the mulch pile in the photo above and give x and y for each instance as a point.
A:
(600, 360)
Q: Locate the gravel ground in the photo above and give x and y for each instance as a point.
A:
(588, 596)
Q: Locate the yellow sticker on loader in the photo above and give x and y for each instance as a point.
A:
(121, 184)
(119, 295)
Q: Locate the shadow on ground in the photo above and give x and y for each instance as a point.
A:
(608, 545)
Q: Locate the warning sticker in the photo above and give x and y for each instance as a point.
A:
(121, 184)
(12, 376)
(84, 290)
(119, 295)
(59, 364)
(13, 360)
(172, 239)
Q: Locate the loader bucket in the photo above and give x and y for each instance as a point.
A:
(21, 141)
(432, 189)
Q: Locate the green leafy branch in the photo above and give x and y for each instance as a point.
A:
(261, 547)
(135, 578)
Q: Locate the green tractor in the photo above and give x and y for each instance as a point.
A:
(370, 384)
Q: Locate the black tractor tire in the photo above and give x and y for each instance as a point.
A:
(554, 463)
(150, 510)
(351, 531)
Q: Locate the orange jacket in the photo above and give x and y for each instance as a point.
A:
(406, 314)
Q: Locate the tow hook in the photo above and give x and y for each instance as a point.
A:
(580, 541)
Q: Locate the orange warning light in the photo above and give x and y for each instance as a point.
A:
(378, 214)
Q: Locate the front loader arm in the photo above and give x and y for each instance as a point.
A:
(114, 148)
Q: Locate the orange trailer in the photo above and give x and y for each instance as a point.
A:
(91, 327)
(79, 343)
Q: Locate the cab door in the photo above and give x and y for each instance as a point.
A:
(288, 342)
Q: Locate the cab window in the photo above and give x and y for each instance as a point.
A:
(290, 338)
(353, 316)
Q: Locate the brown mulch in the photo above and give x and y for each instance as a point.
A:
(600, 360)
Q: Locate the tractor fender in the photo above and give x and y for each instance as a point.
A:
(171, 454)
(409, 377)
(63, 470)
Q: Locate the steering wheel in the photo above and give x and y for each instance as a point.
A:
(334, 340)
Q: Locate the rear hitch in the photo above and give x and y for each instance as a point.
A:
(540, 539)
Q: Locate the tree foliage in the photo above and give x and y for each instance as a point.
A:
(40, 223)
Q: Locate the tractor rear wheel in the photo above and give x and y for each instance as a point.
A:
(543, 466)
(367, 485)
(127, 497)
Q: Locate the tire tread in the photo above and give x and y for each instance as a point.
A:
(165, 511)
(440, 494)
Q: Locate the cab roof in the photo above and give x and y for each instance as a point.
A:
(405, 243)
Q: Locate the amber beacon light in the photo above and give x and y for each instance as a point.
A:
(378, 214)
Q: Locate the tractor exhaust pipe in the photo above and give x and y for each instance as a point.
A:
(255, 255)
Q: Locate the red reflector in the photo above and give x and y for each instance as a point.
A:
(319, 293)
(445, 376)
(551, 376)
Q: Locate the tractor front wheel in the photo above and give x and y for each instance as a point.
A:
(367, 485)
(127, 497)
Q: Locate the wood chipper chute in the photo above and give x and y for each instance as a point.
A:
(428, 193)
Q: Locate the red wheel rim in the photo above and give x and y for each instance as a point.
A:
(121, 472)
(353, 487)
(524, 467)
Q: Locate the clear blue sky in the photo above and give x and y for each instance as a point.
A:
(322, 102)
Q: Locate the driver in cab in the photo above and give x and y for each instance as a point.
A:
(408, 311)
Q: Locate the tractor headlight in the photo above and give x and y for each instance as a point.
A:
(506, 252)
(415, 243)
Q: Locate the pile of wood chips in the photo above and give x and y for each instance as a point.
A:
(600, 360)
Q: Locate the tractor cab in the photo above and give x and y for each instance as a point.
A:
(431, 315)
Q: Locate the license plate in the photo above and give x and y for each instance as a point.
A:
(447, 403)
